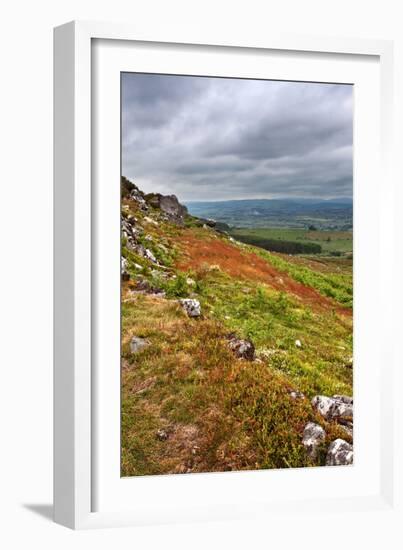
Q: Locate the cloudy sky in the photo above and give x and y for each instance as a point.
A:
(215, 139)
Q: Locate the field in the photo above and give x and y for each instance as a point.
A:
(335, 215)
(331, 242)
(188, 403)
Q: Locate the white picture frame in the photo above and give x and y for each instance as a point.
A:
(85, 493)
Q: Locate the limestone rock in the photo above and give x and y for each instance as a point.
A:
(123, 269)
(168, 204)
(150, 256)
(191, 306)
(340, 453)
(333, 408)
(244, 349)
(162, 435)
(312, 437)
(137, 344)
(123, 264)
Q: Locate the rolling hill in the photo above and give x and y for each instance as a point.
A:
(298, 213)
(233, 357)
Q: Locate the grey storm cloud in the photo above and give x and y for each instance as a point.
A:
(207, 138)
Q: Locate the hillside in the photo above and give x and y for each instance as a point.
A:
(233, 358)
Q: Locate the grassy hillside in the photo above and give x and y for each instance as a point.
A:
(188, 403)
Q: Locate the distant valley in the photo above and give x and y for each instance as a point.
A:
(336, 215)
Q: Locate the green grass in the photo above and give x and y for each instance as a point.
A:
(335, 285)
(219, 412)
(274, 321)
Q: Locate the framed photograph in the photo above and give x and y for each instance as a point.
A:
(222, 301)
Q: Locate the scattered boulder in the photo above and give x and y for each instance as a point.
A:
(340, 453)
(244, 349)
(144, 287)
(312, 437)
(137, 344)
(162, 435)
(150, 256)
(294, 394)
(333, 408)
(191, 306)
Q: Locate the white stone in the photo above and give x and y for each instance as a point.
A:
(340, 453)
(191, 306)
(312, 437)
(333, 408)
(149, 255)
(298, 343)
(123, 265)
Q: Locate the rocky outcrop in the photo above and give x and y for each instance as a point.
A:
(206, 221)
(130, 231)
(130, 191)
(312, 438)
(243, 349)
(169, 204)
(191, 306)
(340, 453)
